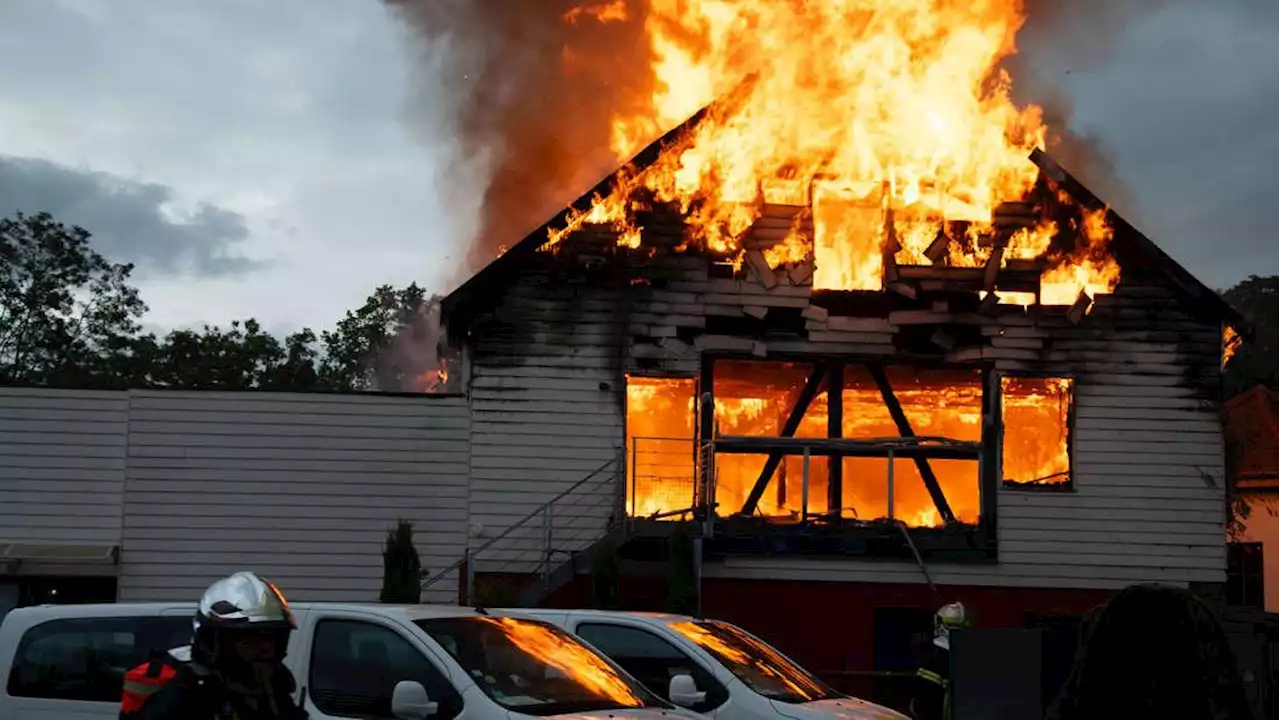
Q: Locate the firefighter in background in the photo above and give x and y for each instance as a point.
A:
(932, 699)
(234, 668)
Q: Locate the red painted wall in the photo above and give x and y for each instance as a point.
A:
(828, 626)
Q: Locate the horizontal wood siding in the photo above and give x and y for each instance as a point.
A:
(62, 466)
(546, 412)
(1148, 498)
(301, 488)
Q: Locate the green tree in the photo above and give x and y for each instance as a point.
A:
(65, 311)
(1255, 362)
(241, 357)
(401, 568)
(385, 343)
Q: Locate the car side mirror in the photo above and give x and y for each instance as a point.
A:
(409, 701)
(683, 691)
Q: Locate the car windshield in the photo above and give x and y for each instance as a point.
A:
(755, 662)
(536, 668)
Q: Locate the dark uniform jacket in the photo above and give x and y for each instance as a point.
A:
(171, 689)
(932, 700)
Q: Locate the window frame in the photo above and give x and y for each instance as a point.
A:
(717, 690)
(450, 706)
(143, 629)
(1070, 485)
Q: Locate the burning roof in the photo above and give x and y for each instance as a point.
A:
(887, 127)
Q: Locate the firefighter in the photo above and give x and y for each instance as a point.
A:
(234, 668)
(932, 699)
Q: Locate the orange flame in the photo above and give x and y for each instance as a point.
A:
(1091, 269)
(607, 12)
(1231, 342)
(754, 398)
(569, 657)
(889, 118)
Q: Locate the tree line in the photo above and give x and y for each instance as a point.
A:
(70, 318)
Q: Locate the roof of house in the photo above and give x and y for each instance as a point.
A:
(1251, 429)
(484, 288)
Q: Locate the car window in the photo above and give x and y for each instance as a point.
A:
(535, 668)
(86, 658)
(653, 660)
(355, 666)
(757, 664)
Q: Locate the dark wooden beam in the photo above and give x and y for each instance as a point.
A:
(992, 442)
(826, 447)
(835, 429)
(706, 433)
(904, 429)
(798, 410)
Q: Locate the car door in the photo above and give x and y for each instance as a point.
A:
(353, 662)
(650, 658)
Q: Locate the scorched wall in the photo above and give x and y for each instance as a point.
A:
(1147, 500)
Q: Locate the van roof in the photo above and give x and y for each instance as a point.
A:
(403, 612)
(664, 618)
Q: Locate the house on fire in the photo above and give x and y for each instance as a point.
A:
(1026, 433)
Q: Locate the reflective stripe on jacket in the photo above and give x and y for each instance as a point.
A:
(144, 681)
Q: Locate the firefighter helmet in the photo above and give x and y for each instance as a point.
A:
(235, 604)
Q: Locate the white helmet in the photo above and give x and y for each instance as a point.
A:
(951, 615)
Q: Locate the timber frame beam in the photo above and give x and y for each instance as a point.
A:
(904, 429)
(807, 394)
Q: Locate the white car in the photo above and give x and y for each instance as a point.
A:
(351, 661)
(709, 666)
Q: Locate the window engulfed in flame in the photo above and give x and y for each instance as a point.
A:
(754, 398)
(1037, 435)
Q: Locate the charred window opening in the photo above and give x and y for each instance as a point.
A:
(901, 443)
(1037, 417)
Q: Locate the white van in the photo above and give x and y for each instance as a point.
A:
(711, 667)
(351, 661)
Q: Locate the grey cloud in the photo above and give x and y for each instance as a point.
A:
(1189, 103)
(129, 219)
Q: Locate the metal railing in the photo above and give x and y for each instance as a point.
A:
(532, 547)
(662, 478)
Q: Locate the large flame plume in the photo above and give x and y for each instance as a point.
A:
(891, 119)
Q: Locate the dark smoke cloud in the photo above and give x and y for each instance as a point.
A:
(534, 95)
(1062, 37)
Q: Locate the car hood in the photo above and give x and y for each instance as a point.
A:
(630, 714)
(846, 708)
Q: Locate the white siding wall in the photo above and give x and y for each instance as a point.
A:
(194, 485)
(302, 488)
(546, 412)
(62, 466)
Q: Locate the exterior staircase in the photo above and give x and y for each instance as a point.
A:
(545, 550)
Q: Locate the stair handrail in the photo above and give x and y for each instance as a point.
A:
(512, 528)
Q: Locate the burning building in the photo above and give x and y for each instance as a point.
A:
(851, 322)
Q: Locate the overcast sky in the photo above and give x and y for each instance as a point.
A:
(259, 158)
